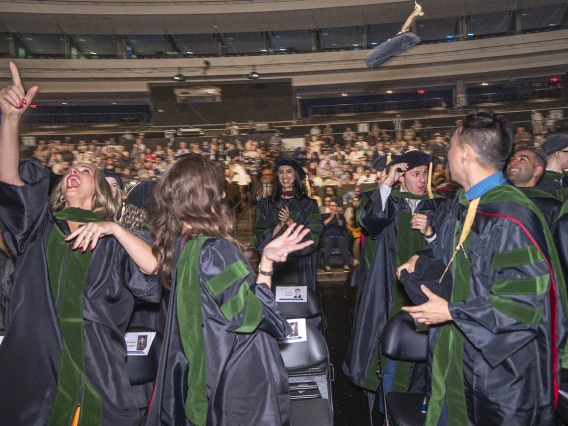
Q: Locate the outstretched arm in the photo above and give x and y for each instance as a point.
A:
(14, 101)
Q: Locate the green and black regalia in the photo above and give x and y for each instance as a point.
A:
(300, 267)
(498, 361)
(220, 363)
(64, 346)
(555, 184)
(389, 242)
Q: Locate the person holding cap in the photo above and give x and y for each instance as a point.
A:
(554, 181)
(396, 223)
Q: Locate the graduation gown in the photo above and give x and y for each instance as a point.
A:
(300, 267)
(555, 184)
(64, 345)
(389, 242)
(548, 205)
(220, 363)
(498, 361)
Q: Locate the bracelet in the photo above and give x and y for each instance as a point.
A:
(431, 235)
(261, 272)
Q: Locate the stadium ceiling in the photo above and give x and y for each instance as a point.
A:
(131, 17)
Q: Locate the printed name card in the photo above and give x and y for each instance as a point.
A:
(298, 334)
(139, 343)
(291, 294)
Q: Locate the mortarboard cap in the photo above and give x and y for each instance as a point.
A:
(555, 143)
(141, 194)
(116, 176)
(288, 161)
(414, 158)
(380, 163)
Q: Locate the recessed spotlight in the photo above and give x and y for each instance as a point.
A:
(63, 103)
(344, 94)
(389, 91)
(81, 39)
(29, 38)
(470, 34)
(298, 97)
(355, 45)
(92, 53)
(113, 103)
(485, 83)
(282, 49)
(374, 43)
(189, 53)
(263, 50)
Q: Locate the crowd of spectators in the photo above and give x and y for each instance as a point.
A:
(330, 158)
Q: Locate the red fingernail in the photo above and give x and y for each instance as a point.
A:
(92, 248)
(24, 101)
(20, 106)
(83, 251)
(74, 248)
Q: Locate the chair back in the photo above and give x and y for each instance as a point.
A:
(400, 340)
(309, 357)
(144, 368)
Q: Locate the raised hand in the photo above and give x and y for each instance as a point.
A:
(395, 172)
(14, 101)
(290, 241)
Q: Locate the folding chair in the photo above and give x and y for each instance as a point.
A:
(308, 365)
(401, 342)
(311, 309)
(142, 370)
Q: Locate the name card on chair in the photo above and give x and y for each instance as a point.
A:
(139, 343)
(298, 334)
(291, 293)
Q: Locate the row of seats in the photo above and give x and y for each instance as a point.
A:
(310, 371)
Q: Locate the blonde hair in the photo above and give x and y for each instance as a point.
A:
(102, 202)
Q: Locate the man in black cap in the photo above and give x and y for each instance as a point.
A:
(395, 223)
(554, 181)
(496, 345)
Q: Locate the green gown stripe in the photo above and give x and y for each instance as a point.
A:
(447, 368)
(190, 319)
(522, 286)
(253, 313)
(521, 256)
(518, 312)
(73, 386)
(225, 279)
(236, 304)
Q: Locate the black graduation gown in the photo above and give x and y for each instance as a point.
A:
(548, 205)
(555, 184)
(245, 378)
(300, 268)
(31, 353)
(389, 242)
(498, 361)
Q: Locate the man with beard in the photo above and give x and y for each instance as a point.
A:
(395, 224)
(525, 170)
(264, 188)
(496, 346)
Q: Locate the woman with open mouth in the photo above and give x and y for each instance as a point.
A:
(62, 360)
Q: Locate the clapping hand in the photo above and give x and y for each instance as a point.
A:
(284, 216)
(290, 241)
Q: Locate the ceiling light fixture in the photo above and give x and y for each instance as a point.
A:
(389, 91)
(179, 76)
(253, 75)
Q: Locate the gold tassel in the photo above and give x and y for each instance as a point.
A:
(429, 184)
(468, 223)
(76, 416)
(389, 157)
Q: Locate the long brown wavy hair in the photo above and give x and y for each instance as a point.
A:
(189, 199)
(103, 203)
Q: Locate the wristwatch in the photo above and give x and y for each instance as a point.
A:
(267, 273)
